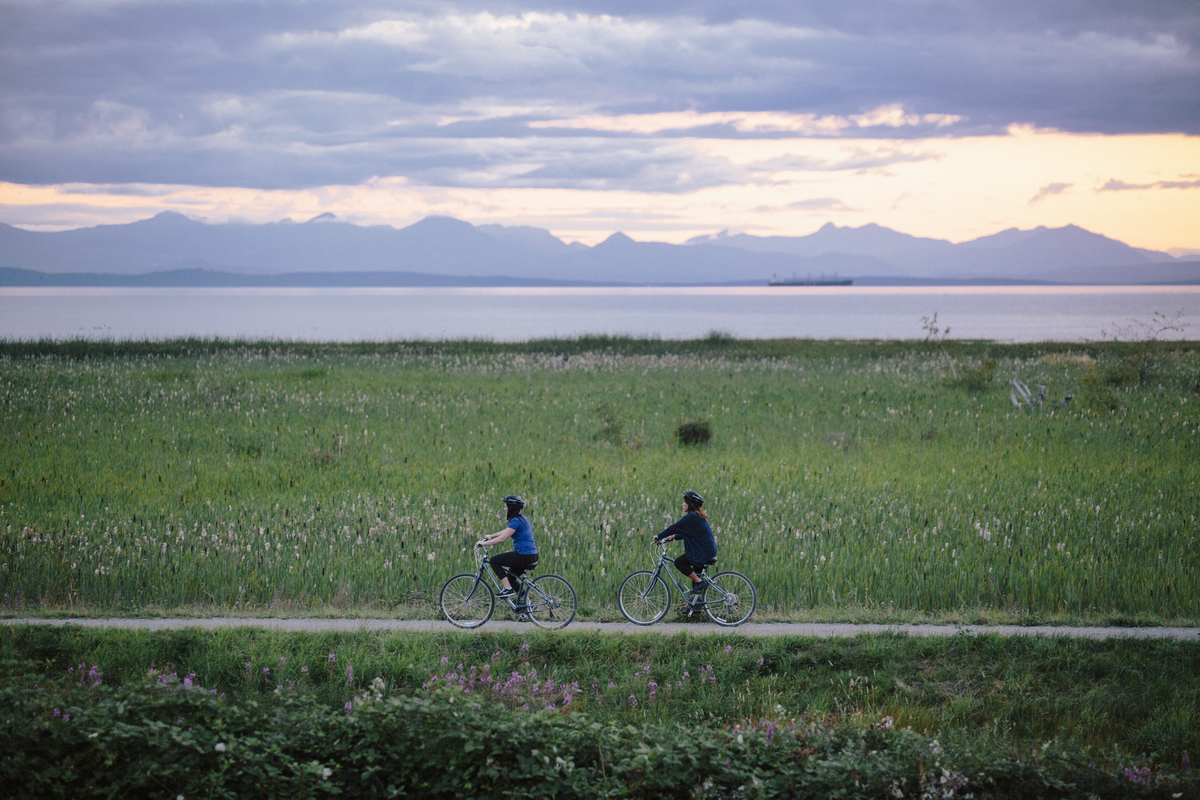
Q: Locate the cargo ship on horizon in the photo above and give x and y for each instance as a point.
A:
(810, 281)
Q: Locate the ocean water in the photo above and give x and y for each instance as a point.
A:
(1007, 314)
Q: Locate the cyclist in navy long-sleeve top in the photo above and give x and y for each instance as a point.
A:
(699, 544)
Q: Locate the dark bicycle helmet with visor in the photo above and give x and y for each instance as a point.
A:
(693, 499)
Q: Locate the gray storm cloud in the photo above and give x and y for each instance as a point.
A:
(284, 95)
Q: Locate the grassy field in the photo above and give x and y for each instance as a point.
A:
(849, 480)
(1140, 698)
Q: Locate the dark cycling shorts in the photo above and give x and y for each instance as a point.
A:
(687, 567)
(512, 563)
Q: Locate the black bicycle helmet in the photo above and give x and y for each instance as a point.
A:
(513, 501)
(693, 498)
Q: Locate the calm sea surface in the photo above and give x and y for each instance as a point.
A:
(1017, 314)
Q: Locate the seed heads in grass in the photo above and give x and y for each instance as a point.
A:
(694, 432)
(839, 440)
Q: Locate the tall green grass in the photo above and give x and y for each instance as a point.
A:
(839, 476)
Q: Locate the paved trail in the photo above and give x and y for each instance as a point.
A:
(756, 629)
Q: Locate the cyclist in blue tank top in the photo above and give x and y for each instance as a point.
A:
(524, 555)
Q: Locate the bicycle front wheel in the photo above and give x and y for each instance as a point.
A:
(644, 598)
(551, 602)
(467, 601)
(731, 598)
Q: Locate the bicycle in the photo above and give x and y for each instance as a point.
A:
(467, 600)
(644, 597)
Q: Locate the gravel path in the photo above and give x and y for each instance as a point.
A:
(818, 630)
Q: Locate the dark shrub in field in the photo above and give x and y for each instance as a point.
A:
(978, 378)
(693, 432)
(1097, 391)
(1123, 373)
(611, 424)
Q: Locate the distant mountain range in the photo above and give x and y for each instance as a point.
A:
(173, 250)
(1053, 255)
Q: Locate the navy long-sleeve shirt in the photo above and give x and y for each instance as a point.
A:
(699, 544)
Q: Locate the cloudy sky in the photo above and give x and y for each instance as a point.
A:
(665, 120)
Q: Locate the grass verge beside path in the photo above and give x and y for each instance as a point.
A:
(1133, 697)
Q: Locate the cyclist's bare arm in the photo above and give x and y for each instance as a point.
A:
(496, 538)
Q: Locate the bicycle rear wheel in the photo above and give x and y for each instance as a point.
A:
(550, 602)
(644, 598)
(731, 599)
(467, 601)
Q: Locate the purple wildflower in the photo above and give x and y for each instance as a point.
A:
(1142, 776)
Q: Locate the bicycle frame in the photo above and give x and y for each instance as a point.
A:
(666, 565)
(481, 557)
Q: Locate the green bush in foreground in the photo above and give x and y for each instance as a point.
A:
(1134, 697)
(77, 737)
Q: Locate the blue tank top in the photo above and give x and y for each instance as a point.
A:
(522, 537)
